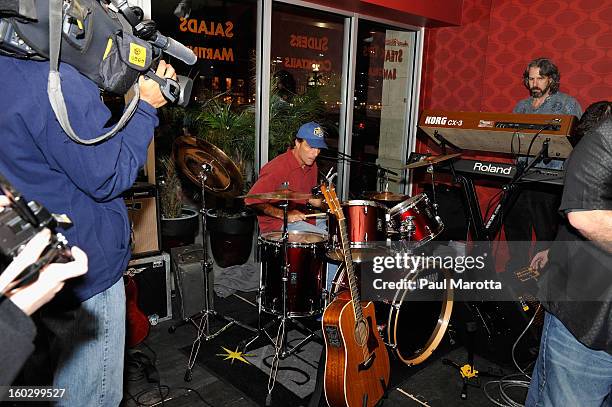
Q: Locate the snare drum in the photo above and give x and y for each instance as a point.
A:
(306, 274)
(365, 224)
(414, 220)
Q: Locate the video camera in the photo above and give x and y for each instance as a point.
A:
(20, 222)
(108, 41)
(24, 34)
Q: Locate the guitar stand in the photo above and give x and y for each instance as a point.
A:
(204, 315)
(468, 372)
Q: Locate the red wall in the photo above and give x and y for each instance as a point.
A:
(478, 66)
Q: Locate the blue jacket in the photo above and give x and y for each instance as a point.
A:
(85, 182)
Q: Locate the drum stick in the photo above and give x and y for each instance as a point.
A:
(412, 397)
(316, 215)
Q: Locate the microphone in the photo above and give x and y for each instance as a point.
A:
(174, 48)
(145, 29)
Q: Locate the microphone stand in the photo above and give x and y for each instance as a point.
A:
(382, 173)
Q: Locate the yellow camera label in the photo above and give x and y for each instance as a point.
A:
(138, 55)
(109, 45)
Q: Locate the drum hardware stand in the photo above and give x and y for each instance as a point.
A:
(431, 171)
(383, 178)
(281, 351)
(407, 228)
(204, 325)
(469, 374)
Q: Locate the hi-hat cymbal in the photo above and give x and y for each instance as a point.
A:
(434, 159)
(281, 195)
(224, 180)
(384, 196)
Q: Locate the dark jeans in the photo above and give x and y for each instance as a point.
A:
(536, 209)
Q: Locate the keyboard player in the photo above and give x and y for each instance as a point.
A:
(536, 208)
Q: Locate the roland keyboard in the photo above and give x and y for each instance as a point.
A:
(501, 171)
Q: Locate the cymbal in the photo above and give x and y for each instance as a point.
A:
(359, 255)
(281, 195)
(224, 180)
(434, 159)
(384, 196)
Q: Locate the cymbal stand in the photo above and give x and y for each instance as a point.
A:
(383, 178)
(431, 171)
(208, 311)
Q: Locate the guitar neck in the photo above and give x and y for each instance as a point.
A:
(350, 270)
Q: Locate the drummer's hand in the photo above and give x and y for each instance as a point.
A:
(295, 216)
(539, 260)
(316, 202)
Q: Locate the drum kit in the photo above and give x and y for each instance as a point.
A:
(293, 269)
(294, 264)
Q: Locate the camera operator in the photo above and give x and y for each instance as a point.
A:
(84, 326)
(18, 304)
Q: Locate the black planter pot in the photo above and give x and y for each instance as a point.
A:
(231, 235)
(180, 231)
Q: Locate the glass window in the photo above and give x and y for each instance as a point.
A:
(383, 78)
(222, 34)
(306, 72)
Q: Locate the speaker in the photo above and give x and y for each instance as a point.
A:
(142, 204)
(152, 277)
(189, 279)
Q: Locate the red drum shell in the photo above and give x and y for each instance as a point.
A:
(365, 224)
(427, 225)
(306, 274)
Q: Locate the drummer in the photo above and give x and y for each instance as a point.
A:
(297, 168)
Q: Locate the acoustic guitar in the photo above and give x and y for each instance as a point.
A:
(357, 364)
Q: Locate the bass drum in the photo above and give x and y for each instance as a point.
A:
(412, 327)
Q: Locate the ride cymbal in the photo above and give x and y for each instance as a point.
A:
(434, 159)
(281, 195)
(386, 196)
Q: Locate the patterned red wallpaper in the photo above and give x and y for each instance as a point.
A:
(478, 66)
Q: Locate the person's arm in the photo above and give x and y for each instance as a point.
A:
(50, 279)
(17, 329)
(594, 225)
(103, 171)
(270, 210)
(520, 106)
(539, 260)
(16, 341)
(588, 180)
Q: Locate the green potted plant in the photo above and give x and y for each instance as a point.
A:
(230, 224)
(179, 223)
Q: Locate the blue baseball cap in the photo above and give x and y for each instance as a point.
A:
(313, 134)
